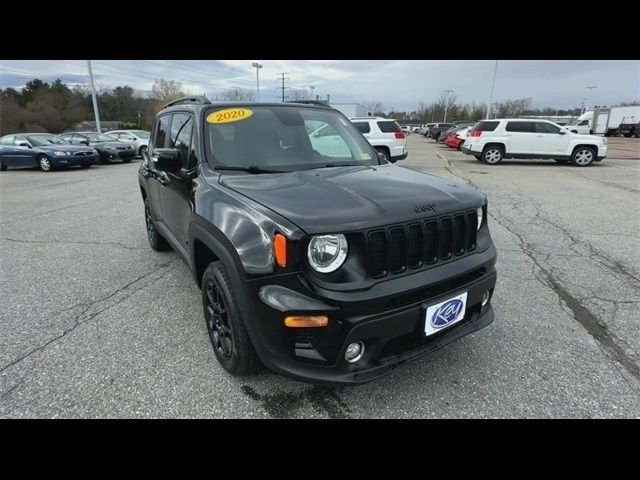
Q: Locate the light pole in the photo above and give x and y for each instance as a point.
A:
(312, 88)
(493, 83)
(257, 66)
(589, 96)
(446, 105)
(93, 97)
(583, 104)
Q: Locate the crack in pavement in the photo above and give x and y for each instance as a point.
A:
(597, 329)
(79, 320)
(576, 310)
(71, 242)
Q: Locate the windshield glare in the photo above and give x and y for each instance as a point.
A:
(45, 140)
(101, 137)
(287, 138)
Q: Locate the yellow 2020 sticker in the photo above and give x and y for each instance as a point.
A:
(229, 115)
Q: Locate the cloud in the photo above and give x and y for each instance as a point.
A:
(400, 84)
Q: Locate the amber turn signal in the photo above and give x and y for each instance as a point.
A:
(280, 247)
(303, 321)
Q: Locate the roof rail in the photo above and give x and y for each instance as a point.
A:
(195, 99)
(321, 103)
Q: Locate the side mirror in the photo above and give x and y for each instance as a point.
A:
(84, 142)
(562, 132)
(382, 157)
(574, 131)
(168, 160)
(24, 145)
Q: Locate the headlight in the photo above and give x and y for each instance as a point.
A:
(60, 153)
(479, 211)
(327, 252)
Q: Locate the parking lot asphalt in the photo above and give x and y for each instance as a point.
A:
(93, 323)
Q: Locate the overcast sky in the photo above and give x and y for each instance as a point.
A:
(398, 84)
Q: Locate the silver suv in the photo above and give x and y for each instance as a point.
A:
(385, 135)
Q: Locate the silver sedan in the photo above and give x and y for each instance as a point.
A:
(139, 139)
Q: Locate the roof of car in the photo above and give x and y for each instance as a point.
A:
(227, 103)
(28, 133)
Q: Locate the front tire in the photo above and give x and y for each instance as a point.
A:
(583, 156)
(142, 150)
(156, 240)
(229, 337)
(478, 157)
(44, 163)
(492, 155)
(126, 160)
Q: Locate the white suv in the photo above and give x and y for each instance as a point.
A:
(385, 135)
(492, 140)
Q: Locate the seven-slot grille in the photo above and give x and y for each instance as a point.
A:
(400, 247)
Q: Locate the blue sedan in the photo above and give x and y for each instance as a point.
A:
(43, 150)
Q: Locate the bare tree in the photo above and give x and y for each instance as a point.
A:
(237, 94)
(297, 94)
(374, 107)
(166, 89)
(446, 100)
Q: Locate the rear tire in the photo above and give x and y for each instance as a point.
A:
(126, 160)
(156, 240)
(3, 167)
(492, 155)
(229, 337)
(583, 156)
(85, 165)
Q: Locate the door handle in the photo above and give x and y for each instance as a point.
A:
(507, 135)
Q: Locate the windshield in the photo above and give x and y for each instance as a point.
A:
(141, 134)
(100, 137)
(37, 140)
(285, 138)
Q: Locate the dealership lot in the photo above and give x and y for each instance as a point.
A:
(94, 323)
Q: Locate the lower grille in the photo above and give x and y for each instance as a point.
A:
(401, 247)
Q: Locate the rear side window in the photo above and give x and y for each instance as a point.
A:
(7, 140)
(389, 127)
(485, 126)
(362, 126)
(524, 127)
(161, 132)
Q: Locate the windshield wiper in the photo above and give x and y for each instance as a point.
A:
(251, 169)
(331, 165)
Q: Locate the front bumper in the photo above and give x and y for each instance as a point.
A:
(72, 160)
(107, 155)
(389, 319)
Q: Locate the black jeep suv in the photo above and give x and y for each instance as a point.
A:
(315, 256)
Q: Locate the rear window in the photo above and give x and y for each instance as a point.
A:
(526, 127)
(362, 126)
(389, 127)
(485, 126)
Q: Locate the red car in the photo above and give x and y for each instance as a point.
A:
(456, 139)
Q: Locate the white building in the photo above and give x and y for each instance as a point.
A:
(351, 110)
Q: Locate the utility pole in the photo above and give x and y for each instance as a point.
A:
(446, 105)
(93, 96)
(283, 78)
(493, 83)
(257, 66)
(312, 88)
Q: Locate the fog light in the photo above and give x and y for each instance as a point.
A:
(485, 298)
(354, 352)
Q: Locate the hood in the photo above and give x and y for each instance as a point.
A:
(65, 148)
(351, 198)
